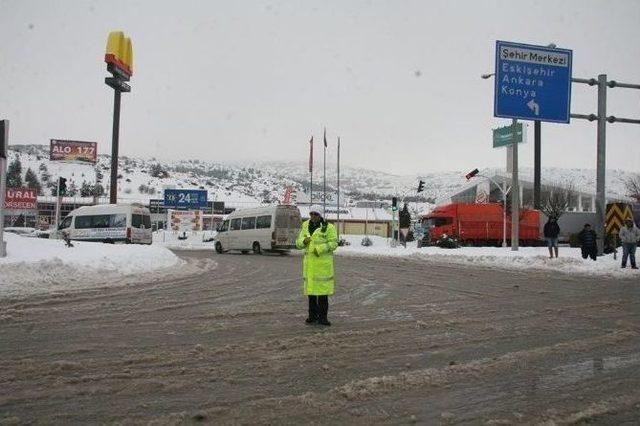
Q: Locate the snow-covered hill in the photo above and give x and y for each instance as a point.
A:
(257, 183)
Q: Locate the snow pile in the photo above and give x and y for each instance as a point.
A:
(34, 265)
(195, 240)
(570, 260)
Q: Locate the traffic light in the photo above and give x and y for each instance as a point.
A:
(421, 186)
(472, 173)
(62, 186)
(394, 203)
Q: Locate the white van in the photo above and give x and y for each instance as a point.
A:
(273, 228)
(109, 223)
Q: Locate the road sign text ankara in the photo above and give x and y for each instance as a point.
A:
(532, 82)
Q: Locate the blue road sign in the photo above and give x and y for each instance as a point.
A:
(532, 82)
(185, 198)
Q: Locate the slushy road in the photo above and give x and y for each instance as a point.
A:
(412, 341)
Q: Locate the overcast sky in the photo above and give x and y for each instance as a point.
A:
(399, 81)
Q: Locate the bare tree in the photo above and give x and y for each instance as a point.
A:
(633, 187)
(558, 199)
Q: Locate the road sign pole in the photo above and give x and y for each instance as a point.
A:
(601, 161)
(537, 136)
(504, 214)
(515, 193)
(113, 190)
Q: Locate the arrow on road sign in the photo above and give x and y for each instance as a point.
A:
(533, 106)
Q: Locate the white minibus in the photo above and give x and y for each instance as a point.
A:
(109, 223)
(273, 228)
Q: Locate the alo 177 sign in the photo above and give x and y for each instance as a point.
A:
(73, 151)
(532, 82)
(185, 198)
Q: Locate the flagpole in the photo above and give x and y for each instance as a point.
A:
(338, 220)
(324, 179)
(311, 171)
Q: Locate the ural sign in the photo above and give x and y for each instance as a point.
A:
(73, 151)
(532, 82)
(21, 199)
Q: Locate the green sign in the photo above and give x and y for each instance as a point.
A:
(503, 136)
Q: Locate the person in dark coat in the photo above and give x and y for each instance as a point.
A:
(587, 238)
(551, 232)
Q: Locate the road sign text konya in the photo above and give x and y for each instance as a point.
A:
(532, 82)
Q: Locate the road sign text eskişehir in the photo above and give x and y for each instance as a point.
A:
(532, 82)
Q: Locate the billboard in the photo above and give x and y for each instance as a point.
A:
(73, 151)
(21, 199)
(185, 220)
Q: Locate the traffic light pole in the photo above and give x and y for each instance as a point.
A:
(58, 199)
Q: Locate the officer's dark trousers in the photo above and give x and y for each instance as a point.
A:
(318, 307)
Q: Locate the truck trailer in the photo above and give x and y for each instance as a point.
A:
(480, 224)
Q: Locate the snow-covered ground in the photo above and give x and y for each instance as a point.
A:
(196, 240)
(37, 265)
(569, 261)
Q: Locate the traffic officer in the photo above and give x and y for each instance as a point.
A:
(318, 239)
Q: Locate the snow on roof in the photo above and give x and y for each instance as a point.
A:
(352, 213)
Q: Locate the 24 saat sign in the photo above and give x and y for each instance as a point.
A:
(21, 199)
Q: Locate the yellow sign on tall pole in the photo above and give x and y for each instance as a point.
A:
(119, 59)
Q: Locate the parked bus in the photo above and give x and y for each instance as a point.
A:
(273, 228)
(109, 223)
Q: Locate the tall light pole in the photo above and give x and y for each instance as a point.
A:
(504, 190)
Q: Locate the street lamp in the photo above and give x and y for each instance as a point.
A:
(504, 192)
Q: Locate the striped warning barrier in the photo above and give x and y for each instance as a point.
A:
(617, 213)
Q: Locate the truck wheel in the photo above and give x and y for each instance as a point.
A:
(256, 248)
(218, 247)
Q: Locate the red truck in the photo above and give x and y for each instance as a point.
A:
(480, 224)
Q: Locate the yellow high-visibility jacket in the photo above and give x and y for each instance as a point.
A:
(317, 265)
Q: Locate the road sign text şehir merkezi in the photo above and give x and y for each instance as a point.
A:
(532, 82)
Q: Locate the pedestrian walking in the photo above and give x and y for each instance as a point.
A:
(588, 243)
(318, 239)
(551, 232)
(629, 236)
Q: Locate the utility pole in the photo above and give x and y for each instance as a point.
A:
(601, 202)
(4, 143)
